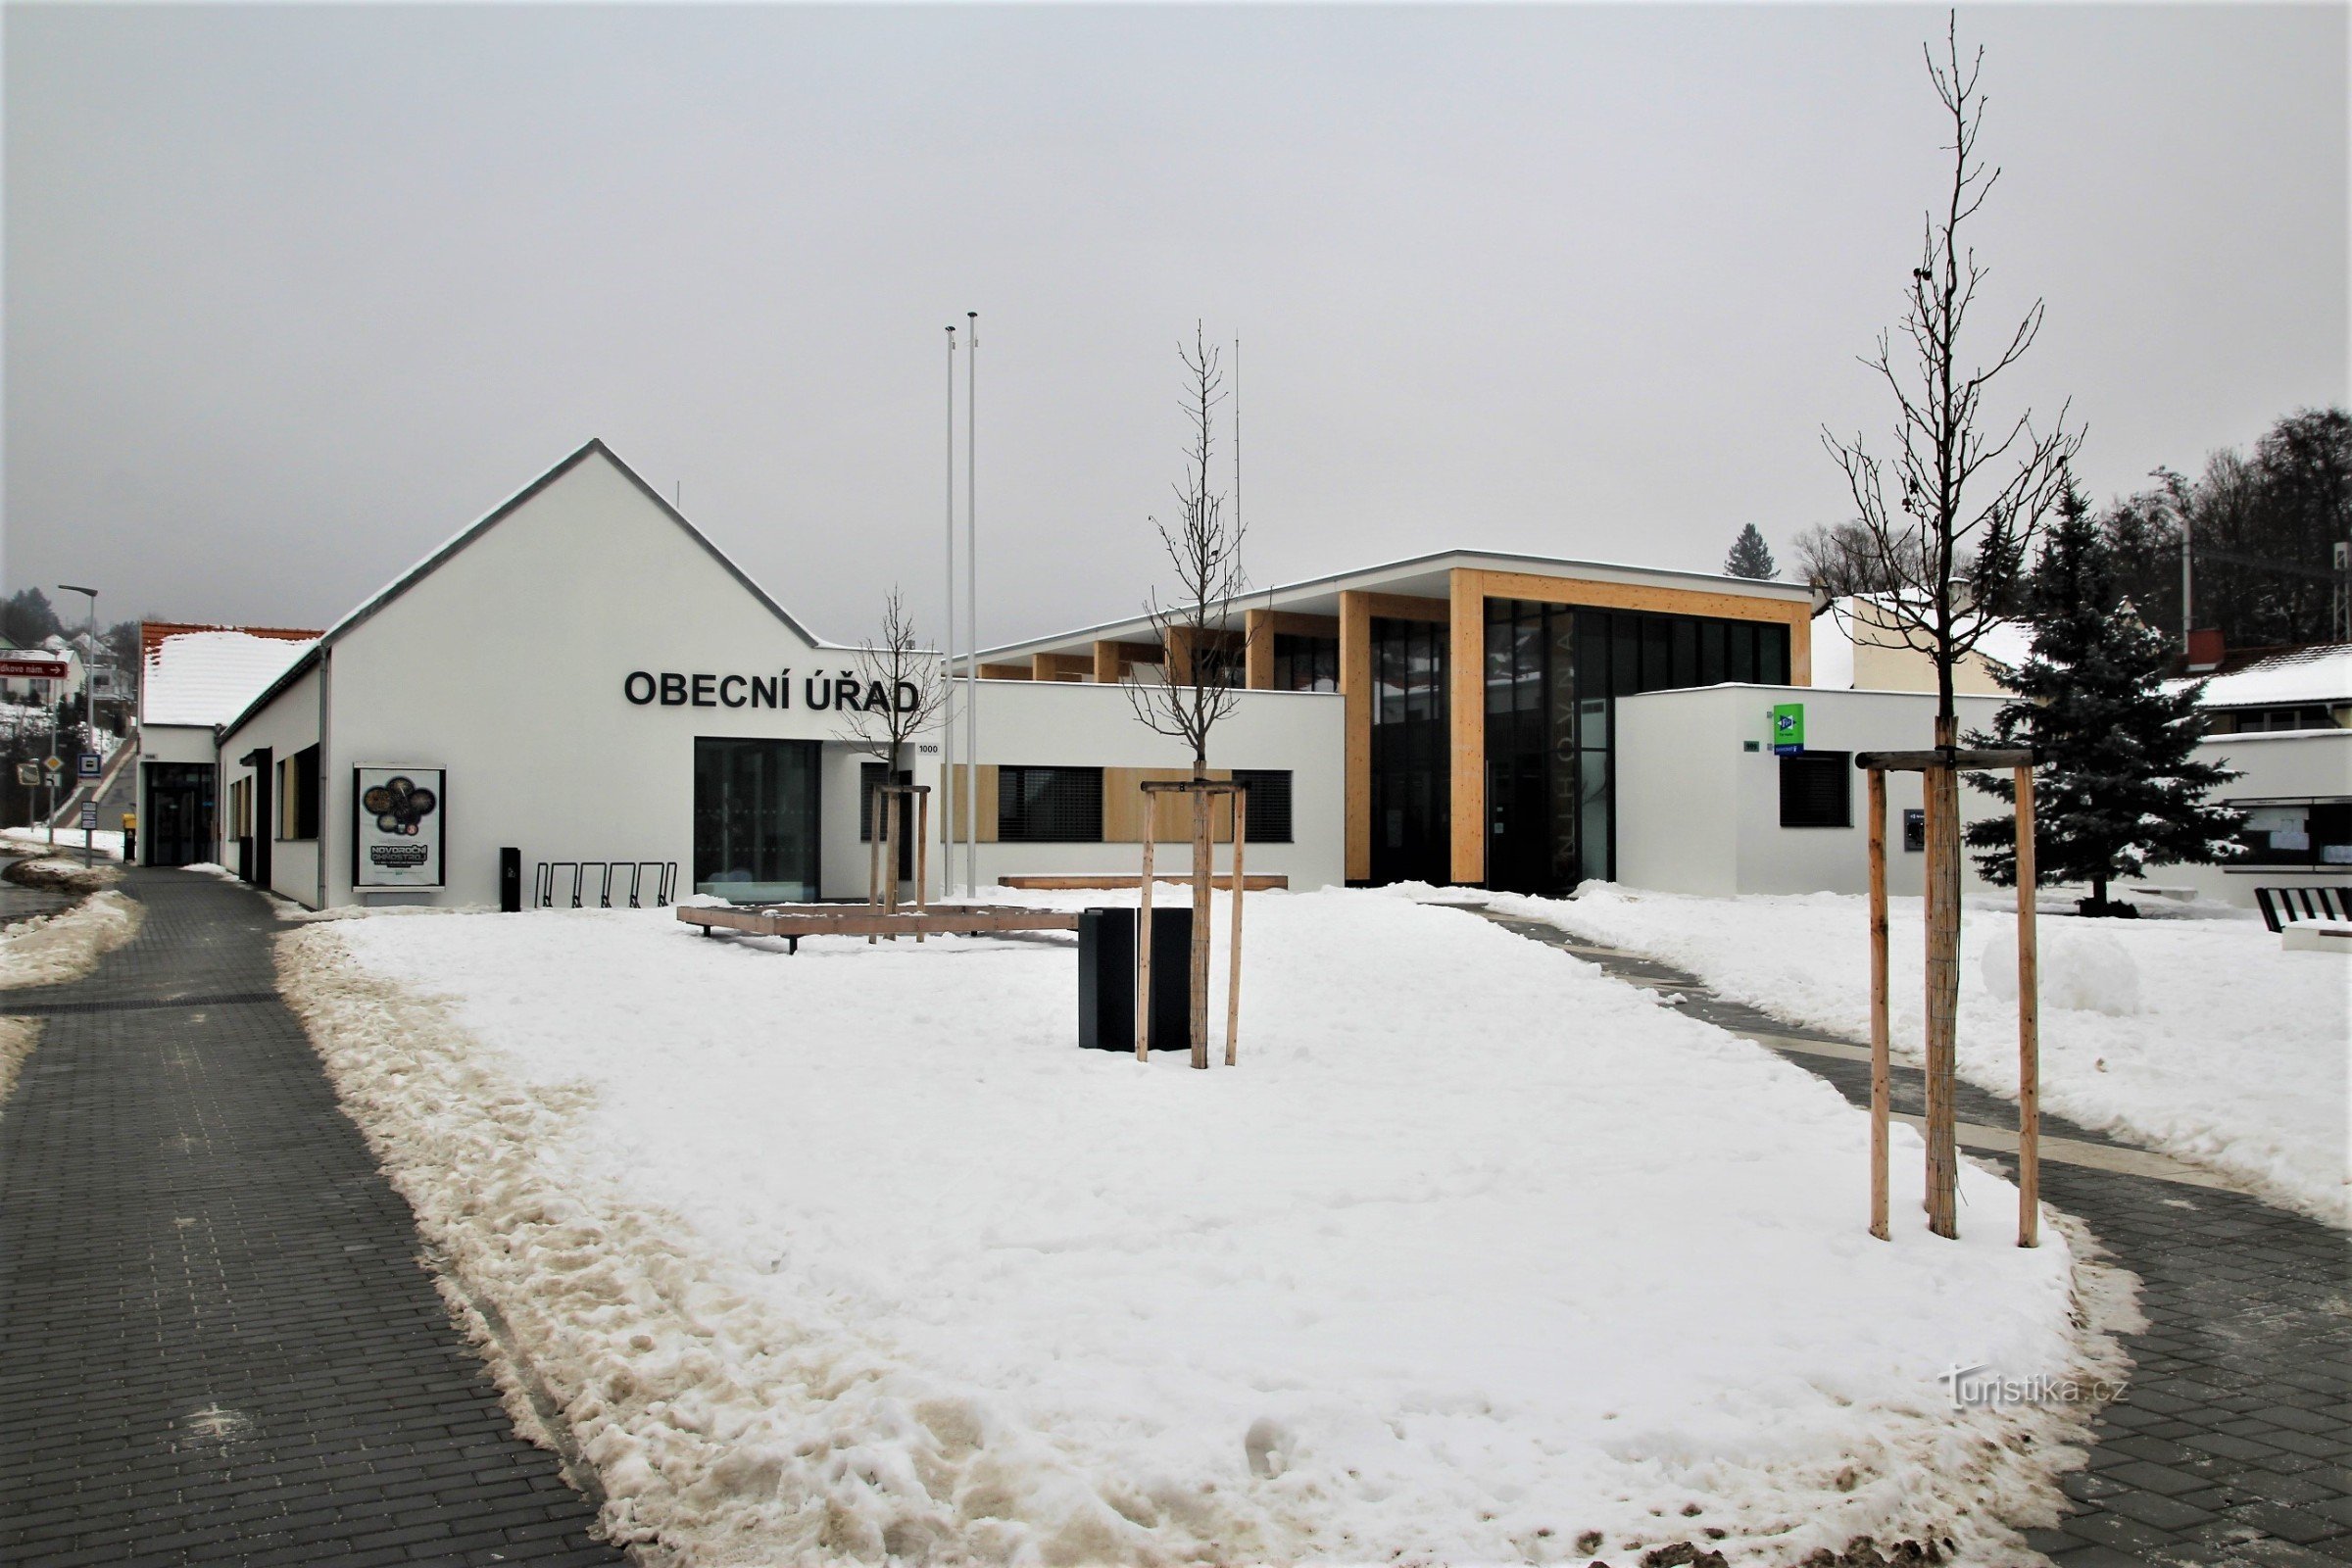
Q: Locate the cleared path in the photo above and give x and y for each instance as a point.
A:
(217, 1341)
(2231, 1443)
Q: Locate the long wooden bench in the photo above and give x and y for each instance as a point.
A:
(1113, 881)
(2285, 906)
(792, 922)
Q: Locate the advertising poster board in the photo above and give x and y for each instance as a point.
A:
(398, 829)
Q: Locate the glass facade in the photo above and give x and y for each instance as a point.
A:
(756, 819)
(1553, 674)
(1305, 664)
(1411, 783)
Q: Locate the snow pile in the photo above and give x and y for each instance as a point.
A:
(52, 949)
(210, 677)
(2199, 1038)
(105, 842)
(17, 1037)
(1478, 1255)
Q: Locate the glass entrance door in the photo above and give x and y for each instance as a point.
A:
(756, 819)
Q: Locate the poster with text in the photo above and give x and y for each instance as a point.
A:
(397, 841)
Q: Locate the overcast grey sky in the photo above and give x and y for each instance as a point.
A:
(293, 294)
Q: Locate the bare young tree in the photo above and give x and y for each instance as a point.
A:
(1946, 526)
(1947, 523)
(905, 692)
(1203, 657)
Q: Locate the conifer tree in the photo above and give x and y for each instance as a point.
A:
(1750, 556)
(2119, 787)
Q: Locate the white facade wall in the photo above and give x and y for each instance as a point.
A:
(1077, 725)
(2298, 765)
(506, 667)
(1698, 813)
(286, 726)
(176, 742)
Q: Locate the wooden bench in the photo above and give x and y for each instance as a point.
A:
(2284, 906)
(1113, 881)
(792, 922)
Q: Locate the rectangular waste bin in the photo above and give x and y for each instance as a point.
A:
(1107, 979)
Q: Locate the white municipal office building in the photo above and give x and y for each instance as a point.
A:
(580, 690)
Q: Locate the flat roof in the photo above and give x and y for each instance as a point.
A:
(1418, 577)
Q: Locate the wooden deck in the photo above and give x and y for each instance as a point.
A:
(1113, 881)
(792, 922)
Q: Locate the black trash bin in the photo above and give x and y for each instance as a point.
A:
(1107, 979)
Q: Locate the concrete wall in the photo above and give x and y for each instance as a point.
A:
(1698, 813)
(1060, 723)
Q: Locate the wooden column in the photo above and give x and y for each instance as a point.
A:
(1258, 659)
(1942, 796)
(1199, 1011)
(1467, 723)
(1880, 1090)
(2029, 1027)
(922, 852)
(1356, 688)
(1106, 663)
(1143, 947)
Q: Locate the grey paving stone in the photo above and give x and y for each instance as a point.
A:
(258, 1380)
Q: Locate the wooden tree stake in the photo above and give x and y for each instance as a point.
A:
(922, 855)
(1233, 966)
(1880, 1086)
(1143, 945)
(2029, 1027)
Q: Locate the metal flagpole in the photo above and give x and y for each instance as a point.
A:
(947, 771)
(971, 602)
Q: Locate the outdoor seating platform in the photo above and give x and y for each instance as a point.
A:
(792, 922)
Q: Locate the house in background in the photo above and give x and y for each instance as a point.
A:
(195, 678)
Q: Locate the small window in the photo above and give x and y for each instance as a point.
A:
(1817, 790)
(1305, 664)
(1050, 805)
(1269, 810)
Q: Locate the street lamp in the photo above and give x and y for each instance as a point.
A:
(90, 703)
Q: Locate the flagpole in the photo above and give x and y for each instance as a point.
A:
(972, 583)
(947, 818)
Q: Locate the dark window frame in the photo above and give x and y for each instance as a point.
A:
(1813, 771)
(1028, 817)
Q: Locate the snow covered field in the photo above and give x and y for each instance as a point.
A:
(2199, 1037)
(1478, 1256)
(107, 842)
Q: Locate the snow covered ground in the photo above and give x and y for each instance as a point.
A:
(1478, 1256)
(106, 842)
(52, 949)
(2199, 1037)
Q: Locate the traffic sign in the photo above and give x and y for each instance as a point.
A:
(29, 774)
(53, 763)
(89, 813)
(32, 669)
(89, 765)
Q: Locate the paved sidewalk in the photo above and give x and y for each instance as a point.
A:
(2232, 1443)
(216, 1344)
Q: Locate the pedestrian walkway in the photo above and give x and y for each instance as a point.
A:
(2231, 1443)
(217, 1341)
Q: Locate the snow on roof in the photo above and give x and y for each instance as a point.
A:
(2322, 673)
(207, 677)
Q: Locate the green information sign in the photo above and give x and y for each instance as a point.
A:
(1787, 728)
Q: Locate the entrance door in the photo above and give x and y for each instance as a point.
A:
(178, 826)
(264, 827)
(756, 819)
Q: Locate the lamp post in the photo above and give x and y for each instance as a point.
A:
(89, 707)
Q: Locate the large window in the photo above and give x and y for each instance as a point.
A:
(756, 819)
(1553, 674)
(1412, 780)
(298, 795)
(1817, 790)
(1050, 805)
(2298, 833)
(1305, 664)
(1268, 815)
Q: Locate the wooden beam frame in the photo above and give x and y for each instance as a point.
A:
(1062, 667)
(1356, 692)
(1466, 724)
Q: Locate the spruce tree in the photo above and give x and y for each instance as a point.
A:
(2119, 787)
(1750, 556)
